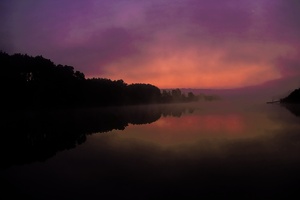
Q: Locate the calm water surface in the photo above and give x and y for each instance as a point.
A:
(208, 149)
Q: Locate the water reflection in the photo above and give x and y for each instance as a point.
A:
(217, 150)
(37, 135)
(293, 108)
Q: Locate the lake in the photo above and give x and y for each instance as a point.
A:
(219, 149)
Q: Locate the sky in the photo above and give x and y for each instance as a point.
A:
(168, 43)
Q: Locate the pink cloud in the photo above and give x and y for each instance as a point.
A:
(193, 43)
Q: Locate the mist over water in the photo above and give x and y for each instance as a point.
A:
(206, 149)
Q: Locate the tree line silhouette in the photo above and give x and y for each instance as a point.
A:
(292, 102)
(37, 82)
(292, 98)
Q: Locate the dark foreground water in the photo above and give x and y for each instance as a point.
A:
(204, 150)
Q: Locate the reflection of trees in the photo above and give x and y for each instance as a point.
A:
(176, 110)
(293, 108)
(29, 136)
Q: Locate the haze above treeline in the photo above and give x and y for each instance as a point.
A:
(29, 81)
(34, 82)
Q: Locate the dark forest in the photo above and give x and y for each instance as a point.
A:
(36, 82)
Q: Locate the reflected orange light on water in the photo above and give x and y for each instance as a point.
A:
(203, 124)
(188, 128)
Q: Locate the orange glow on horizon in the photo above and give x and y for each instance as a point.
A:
(189, 77)
(208, 68)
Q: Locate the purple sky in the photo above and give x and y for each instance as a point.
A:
(168, 43)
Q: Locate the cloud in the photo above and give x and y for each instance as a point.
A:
(162, 42)
(99, 49)
(288, 66)
(285, 19)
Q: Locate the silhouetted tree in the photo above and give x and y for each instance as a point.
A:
(166, 96)
(35, 82)
(191, 97)
(143, 93)
(293, 97)
(176, 94)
